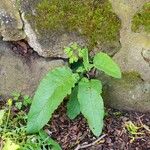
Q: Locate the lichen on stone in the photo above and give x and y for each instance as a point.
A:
(141, 19)
(93, 19)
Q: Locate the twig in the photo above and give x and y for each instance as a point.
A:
(91, 144)
(143, 125)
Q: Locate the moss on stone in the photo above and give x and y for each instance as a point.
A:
(129, 79)
(91, 18)
(142, 19)
(131, 76)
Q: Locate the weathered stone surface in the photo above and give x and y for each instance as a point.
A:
(11, 26)
(51, 25)
(17, 74)
(133, 55)
(128, 93)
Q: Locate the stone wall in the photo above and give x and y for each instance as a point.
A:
(132, 92)
(119, 27)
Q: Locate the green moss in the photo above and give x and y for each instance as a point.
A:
(129, 79)
(91, 18)
(142, 19)
(131, 76)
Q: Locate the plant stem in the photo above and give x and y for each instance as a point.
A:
(91, 144)
(8, 115)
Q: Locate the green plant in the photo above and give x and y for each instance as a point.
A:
(21, 100)
(79, 83)
(133, 130)
(13, 131)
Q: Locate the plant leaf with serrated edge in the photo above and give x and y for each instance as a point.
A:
(105, 63)
(49, 95)
(73, 107)
(91, 104)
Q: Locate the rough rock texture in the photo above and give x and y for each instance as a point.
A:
(134, 57)
(17, 74)
(11, 25)
(129, 93)
(51, 25)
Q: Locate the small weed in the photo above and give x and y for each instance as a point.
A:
(133, 130)
(21, 100)
(13, 131)
(117, 113)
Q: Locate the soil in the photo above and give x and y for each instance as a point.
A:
(73, 135)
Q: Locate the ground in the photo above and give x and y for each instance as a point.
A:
(122, 130)
(70, 134)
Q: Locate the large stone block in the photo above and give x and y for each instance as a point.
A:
(20, 75)
(132, 92)
(11, 25)
(51, 25)
(129, 93)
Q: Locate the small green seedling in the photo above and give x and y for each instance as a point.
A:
(13, 131)
(16, 96)
(79, 83)
(133, 130)
(117, 114)
(20, 100)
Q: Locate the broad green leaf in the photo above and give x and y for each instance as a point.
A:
(54, 144)
(105, 63)
(49, 95)
(91, 104)
(73, 107)
(2, 113)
